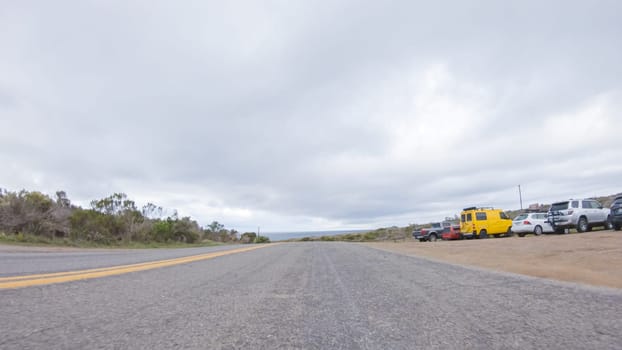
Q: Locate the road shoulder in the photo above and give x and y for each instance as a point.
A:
(590, 258)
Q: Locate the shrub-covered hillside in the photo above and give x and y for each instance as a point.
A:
(34, 216)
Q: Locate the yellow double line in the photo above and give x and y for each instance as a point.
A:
(68, 276)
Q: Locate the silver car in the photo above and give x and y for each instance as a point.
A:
(536, 223)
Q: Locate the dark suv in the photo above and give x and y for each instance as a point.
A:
(616, 213)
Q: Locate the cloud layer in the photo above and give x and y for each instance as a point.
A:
(319, 115)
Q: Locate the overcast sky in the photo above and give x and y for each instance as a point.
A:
(312, 115)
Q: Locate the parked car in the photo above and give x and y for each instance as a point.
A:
(482, 222)
(432, 233)
(536, 223)
(582, 214)
(616, 213)
(452, 233)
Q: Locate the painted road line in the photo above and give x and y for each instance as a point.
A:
(60, 277)
(67, 273)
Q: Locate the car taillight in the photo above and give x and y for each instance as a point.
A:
(526, 222)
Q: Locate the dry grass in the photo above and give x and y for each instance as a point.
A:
(592, 258)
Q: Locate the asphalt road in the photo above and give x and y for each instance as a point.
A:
(310, 296)
(17, 260)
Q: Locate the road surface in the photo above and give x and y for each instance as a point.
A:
(18, 260)
(312, 295)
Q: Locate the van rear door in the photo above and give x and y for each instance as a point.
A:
(466, 223)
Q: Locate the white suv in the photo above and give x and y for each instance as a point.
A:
(580, 214)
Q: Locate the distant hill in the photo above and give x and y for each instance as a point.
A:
(607, 200)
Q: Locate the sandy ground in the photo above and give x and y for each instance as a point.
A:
(592, 258)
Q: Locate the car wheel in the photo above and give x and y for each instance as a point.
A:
(509, 232)
(483, 234)
(433, 238)
(582, 225)
(608, 223)
(617, 227)
(421, 240)
(538, 230)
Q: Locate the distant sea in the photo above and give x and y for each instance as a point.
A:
(281, 236)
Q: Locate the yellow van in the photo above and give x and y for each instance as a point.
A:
(483, 222)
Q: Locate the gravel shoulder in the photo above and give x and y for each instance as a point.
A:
(592, 258)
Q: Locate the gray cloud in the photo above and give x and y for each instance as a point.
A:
(316, 115)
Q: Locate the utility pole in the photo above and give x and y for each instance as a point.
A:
(520, 196)
(257, 237)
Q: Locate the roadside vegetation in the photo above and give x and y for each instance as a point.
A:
(381, 234)
(36, 218)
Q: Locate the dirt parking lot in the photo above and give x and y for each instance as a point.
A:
(592, 258)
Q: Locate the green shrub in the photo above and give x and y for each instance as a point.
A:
(262, 239)
(370, 236)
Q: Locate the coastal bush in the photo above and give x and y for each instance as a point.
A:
(111, 220)
(262, 239)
